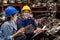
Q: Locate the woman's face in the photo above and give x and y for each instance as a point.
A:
(15, 17)
(26, 14)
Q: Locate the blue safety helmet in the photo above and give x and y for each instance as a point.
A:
(10, 10)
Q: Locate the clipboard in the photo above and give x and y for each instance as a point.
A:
(29, 28)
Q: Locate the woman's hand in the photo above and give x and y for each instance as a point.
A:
(20, 31)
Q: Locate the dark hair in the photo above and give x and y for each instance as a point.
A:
(8, 18)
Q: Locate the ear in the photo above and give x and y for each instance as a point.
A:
(30, 11)
(11, 16)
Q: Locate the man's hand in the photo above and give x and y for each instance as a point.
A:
(38, 30)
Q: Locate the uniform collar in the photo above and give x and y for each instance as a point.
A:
(14, 25)
(24, 19)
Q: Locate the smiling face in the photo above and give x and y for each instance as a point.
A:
(26, 14)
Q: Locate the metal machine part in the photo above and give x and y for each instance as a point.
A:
(5, 1)
(55, 29)
(18, 1)
(11, 1)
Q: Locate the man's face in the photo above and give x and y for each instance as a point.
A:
(26, 14)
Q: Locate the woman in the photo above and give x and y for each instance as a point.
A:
(9, 28)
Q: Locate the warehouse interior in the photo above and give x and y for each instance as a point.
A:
(45, 12)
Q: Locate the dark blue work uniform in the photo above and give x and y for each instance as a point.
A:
(21, 22)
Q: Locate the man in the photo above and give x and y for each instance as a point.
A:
(25, 19)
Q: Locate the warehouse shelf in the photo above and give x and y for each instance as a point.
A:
(39, 7)
(4, 5)
(41, 11)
